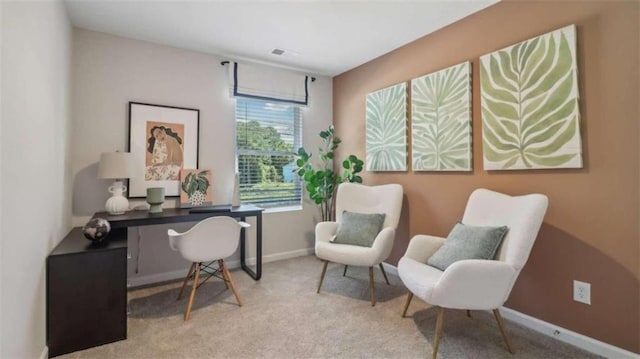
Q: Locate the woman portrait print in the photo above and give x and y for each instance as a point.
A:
(164, 155)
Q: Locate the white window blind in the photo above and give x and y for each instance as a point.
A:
(267, 136)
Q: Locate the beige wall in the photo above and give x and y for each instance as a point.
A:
(591, 228)
(110, 71)
(34, 183)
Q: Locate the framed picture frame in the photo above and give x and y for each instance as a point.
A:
(196, 188)
(162, 140)
(386, 129)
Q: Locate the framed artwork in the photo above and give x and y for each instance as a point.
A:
(195, 188)
(441, 120)
(162, 140)
(530, 113)
(386, 129)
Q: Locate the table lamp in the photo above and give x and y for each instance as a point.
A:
(117, 166)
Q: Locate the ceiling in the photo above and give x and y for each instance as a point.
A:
(322, 37)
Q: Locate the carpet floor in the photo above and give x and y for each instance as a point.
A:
(283, 317)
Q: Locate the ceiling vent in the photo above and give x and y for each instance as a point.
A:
(277, 52)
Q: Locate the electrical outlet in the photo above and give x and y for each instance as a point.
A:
(582, 292)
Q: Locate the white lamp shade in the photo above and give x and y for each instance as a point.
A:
(116, 165)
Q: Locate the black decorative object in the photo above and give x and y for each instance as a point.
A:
(97, 229)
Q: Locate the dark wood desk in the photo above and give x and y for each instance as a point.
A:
(87, 283)
(177, 215)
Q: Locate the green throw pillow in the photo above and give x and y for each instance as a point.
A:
(359, 229)
(468, 242)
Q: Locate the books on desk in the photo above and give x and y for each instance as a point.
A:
(207, 209)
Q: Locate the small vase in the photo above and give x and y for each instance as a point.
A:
(155, 198)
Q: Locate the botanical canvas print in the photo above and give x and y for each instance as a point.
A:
(164, 156)
(530, 114)
(162, 140)
(441, 120)
(386, 129)
(195, 188)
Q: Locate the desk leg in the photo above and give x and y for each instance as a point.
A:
(243, 254)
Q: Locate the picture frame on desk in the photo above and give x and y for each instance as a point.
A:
(196, 188)
(162, 140)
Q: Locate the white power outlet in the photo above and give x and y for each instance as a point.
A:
(582, 292)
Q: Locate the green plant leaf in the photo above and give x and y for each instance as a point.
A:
(193, 186)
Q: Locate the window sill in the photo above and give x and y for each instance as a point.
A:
(283, 209)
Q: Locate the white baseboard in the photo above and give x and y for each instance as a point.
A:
(567, 336)
(275, 257)
(45, 353)
(559, 333)
(167, 276)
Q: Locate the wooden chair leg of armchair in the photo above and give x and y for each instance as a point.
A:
(344, 273)
(228, 278)
(496, 313)
(406, 306)
(186, 279)
(384, 274)
(187, 314)
(372, 287)
(324, 271)
(436, 342)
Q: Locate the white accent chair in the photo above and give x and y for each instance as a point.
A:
(475, 284)
(210, 240)
(359, 198)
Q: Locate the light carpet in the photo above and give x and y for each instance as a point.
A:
(283, 317)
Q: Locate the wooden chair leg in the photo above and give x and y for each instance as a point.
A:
(406, 306)
(187, 314)
(220, 264)
(345, 270)
(496, 313)
(468, 313)
(372, 287)
(436, 342)
(324, 271)
(227, 276)
(384, 274)
(186, 279)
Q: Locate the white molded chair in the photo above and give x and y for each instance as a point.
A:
(476, 284)
(210, 240)
(359, 198)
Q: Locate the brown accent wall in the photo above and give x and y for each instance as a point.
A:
(591, 230)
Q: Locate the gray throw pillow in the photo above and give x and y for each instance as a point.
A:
(359, 229)
(468, 242)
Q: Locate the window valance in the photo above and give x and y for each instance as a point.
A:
(268, 83)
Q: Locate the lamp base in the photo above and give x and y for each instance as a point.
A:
(117, 203)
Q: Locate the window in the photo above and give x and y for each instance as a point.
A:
(267, 136)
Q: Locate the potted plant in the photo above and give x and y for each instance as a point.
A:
(322, 181)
